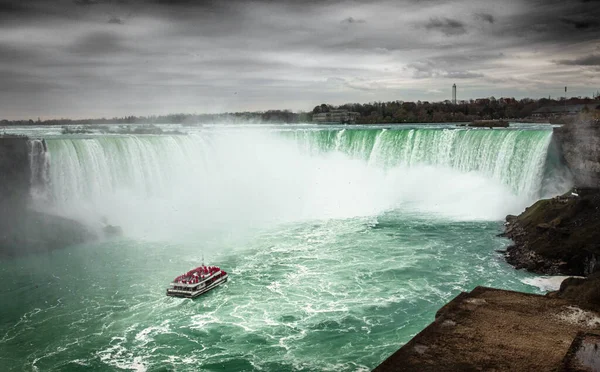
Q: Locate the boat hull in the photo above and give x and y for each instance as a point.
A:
(199, 292)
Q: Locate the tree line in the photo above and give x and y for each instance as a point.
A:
(369, 113)
(446, 111)
(270, 116)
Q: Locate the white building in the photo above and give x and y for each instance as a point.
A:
(336, 116)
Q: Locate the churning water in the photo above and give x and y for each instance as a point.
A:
(341, 243)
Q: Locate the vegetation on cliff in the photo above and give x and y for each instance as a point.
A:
(557, 236)
(584, 291)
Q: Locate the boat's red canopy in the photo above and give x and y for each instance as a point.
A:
(194, 276)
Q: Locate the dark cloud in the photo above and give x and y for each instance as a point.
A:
(116, 20)
(351, 20)
(14, 54)
(284, 51)
(450, 27)
(12, 7)
(86, 2)
(591, 60)
(582, 24)
(97, 43)
(486, 17)
(18, 11)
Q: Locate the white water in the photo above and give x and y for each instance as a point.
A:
(164, 186)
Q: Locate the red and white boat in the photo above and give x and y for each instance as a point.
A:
(197, 281)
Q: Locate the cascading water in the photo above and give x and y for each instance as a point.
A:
(216, 177)
(39, 166)
(351, 239)
(515, 158)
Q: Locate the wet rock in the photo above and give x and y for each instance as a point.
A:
(110, 230)
(557, 236)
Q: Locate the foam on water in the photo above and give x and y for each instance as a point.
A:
(546, 283)
(161, 187)
(341, 245)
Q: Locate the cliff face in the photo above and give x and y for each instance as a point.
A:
(580, 146)
(557, 236)
(562, 235)
(15, 173)
(23, 230)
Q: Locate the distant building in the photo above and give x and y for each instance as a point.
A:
(454, 94)
(336, 117)
(564, 110)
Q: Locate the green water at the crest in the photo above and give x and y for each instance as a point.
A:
(339, 289)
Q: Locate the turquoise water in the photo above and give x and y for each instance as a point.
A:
(341, 245)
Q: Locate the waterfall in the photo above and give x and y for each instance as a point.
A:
(516, 158)
(39, 166)
(251, 176)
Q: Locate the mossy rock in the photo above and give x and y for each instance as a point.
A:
(565, 228)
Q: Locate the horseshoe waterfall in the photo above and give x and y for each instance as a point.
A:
(340, 242)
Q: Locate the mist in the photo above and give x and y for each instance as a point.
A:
(170, 187)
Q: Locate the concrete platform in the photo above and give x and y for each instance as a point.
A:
(496, 330)
(584, 354)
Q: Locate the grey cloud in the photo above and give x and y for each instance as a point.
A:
(19, 11)
(12, 7)
(281, 51)
(98, 43)
(351, 20)
(26, 82)
(116, 20)
(581, 24)
(450, 27)
(591, 60)
(486, 17)
(14, 54)
(432, 69)
(463, 75)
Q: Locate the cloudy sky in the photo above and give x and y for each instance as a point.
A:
(94, 58)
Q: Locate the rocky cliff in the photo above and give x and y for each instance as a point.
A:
(15, 173)
(557, 236)
(562, 235)
(22, 229)
(579, 144)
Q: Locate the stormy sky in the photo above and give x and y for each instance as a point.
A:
(95, 58)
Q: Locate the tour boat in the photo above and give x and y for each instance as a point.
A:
(197, 281)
